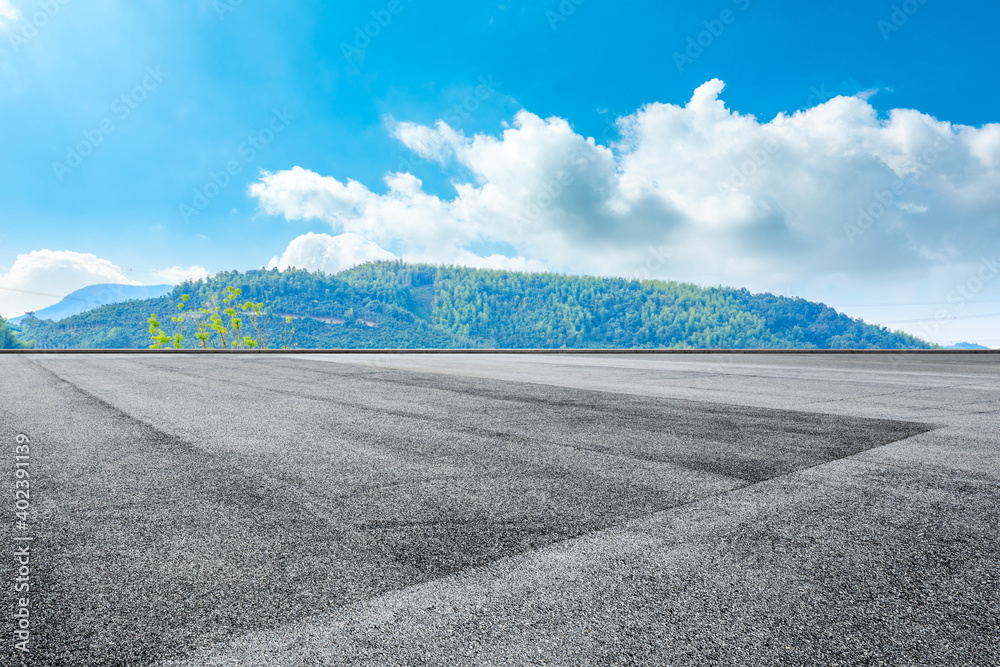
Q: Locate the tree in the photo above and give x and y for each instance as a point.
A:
(9, 339)
(398, 305)
(222, 324)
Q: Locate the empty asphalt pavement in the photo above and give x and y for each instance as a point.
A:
(506, 509)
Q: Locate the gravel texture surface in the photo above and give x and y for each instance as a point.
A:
(705, 509)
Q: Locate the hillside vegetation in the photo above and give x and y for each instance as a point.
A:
(397, 305)
(9, 339)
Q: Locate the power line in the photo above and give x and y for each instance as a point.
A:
(944, 319)
(56, 296)
(912, 303)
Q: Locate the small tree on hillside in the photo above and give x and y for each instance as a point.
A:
(223, 324)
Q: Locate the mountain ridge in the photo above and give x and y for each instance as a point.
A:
(392, 304)
(95, 296)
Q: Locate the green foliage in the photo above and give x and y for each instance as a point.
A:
(397, 305)
(223, 323)
(160, 339)
(9, 339)
(503, 309)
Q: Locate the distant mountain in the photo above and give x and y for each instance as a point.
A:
(96, 296)
(967, 346)
(398, 305)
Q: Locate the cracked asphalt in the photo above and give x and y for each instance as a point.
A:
(508, 509)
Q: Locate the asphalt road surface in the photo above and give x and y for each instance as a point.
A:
(506, 509)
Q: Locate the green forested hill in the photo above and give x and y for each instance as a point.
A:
(9, 339)
(397, 305)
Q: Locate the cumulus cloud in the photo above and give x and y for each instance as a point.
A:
(497, 262)
(330, 254)
(836, 199)
(8, 12)
(42, 277)
(176, 275)
(429, 143)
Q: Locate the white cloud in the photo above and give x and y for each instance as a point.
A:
(8, 12)
(916, 209)
(178, 274)
(428, 143)
(836, 201)
(498, 262)
(42, 277)
(330, 254)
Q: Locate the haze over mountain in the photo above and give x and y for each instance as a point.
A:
(95, 296)
(967, 346)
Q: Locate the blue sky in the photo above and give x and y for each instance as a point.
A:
(188, 88)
